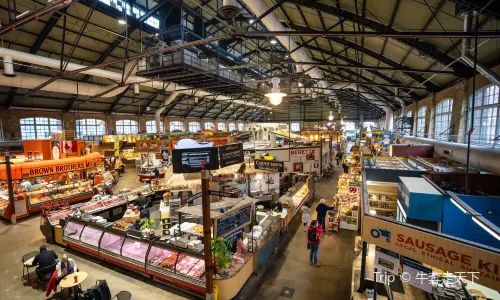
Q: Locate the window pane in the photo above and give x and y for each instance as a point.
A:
(209, 125)
(194, 127)
(221, 126)
(240, 127)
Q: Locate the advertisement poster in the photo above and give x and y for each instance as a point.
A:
(386, 260)
(56, 151)
(417, 275)
(434, 249)
(195, 160)
(164, 154)
(231, 155)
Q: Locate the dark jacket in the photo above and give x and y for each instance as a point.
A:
(44, 259)
(141, 201)
(322, 208)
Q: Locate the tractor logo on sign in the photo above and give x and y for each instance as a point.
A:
(376, 233)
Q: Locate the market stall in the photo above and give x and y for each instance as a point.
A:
(42, 182)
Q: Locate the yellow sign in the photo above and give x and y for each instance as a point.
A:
(435, 250)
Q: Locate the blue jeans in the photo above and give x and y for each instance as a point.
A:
(321, 221)
(313, 251)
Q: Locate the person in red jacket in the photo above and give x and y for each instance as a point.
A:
(313, 239)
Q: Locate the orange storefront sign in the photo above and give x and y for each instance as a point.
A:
(434, 249)
(218, 140)
(49, 167)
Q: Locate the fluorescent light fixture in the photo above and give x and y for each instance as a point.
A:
(122, 22)
(402, 210)
(330, 117)
(458, 205)
(274, 42)
(251, 21)
(368, 182)
(23, 14)
(486, 228)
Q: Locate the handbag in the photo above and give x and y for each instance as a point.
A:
(308, 246)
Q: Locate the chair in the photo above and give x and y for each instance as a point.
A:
(123, 295)
(42, 273)
(25, 258)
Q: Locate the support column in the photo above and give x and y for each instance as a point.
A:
(462, 108)
(415, 116)
(432, 117)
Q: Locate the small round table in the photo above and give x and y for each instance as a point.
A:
(69, 281)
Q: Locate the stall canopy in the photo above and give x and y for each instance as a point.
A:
(49, 167)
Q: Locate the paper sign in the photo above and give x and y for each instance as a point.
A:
(417, 275)
(386, 260)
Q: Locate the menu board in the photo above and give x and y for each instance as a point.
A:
(231, 154)
(195, 160)
(234, 220)
(270, 165)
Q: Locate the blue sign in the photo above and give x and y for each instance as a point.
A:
(383, 233)
(233, 237)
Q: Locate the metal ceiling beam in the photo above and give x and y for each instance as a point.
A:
(116, 101)
(270, 10)
(376, 26)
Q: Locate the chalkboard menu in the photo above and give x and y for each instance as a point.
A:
(231, 154)
(234, 220)
(233, 237)
(269, 165)
(194, 160)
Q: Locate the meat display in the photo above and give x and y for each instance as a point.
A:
(198, 269)
(169, 263)
(185, 265)
(159, 258)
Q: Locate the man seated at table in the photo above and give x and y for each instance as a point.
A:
(45, 258)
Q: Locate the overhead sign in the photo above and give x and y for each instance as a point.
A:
(434, 249)
(417, 275)
(194, 197)
(48, 170)
(218, 140)
(222, 194)
(195, 160)
(234, 220)
(386, 260)
(269, 165)
(231, 154)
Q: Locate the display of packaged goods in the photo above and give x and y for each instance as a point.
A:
(38, 194)
(197, 270)
(182, 242)
(160, 256)
(300, 195)
(169, 263)
(186, 226)
(113, 201)
(196, 229)
(185, 265)
(91, 206)
(121, 225)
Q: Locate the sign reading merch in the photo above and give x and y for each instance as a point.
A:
(47, 170)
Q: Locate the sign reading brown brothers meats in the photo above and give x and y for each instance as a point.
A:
(269, 165)
(47, 170)
(230, 155)
(436, 250)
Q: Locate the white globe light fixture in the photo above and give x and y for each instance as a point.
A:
(275, 97)
(330, 117)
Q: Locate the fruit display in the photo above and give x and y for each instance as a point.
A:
(120, 225)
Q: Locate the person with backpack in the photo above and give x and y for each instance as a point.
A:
(313, 241)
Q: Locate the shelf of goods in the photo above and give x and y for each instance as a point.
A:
(348, 207)
(382, 198)
(131, 195)
(38, 195)
(333, 221)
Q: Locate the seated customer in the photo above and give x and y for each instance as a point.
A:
(65, 267)
(45, 258)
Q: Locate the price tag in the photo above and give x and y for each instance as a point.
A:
(353, 190)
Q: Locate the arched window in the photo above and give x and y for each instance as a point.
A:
(221, 126)
(295, 127)
(409, 114)
(232, 126)
(88, 127)
(176, 125)
(39, 128)
(421, 121)
(240, 126)
(127, 127)
(151, 126)
(209, 125)
(486, 124)
(194, 127)
(443, 119)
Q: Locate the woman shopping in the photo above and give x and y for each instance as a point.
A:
(306, 215)
(313, 240)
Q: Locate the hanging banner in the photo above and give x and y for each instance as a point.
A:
(231, 155)
(386, 260)
(434, 249)
(417, 275)
(269, 165)
(195, 160)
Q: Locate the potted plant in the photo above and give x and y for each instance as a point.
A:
(148, 227)
(221, 250)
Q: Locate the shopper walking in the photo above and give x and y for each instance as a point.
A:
(321, 209)
(313, 240)
(345, 167)
(306, 215)
(338, 157)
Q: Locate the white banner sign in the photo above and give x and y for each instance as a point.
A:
(417, 275)
(386, 260)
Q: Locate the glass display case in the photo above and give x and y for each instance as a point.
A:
(91, 206)
(112, 241)
(131, 195)
(134, 249)
(262, 233)
(55, 216)
(72, 230)
(301, 194)
(38, 195)
(161, 258)
(91, 235)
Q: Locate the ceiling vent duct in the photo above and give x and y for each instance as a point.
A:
(8, 67)
(229, 9)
